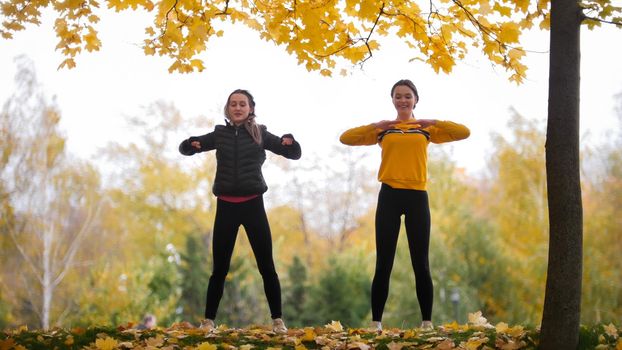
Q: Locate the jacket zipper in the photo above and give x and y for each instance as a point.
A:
(235, 159)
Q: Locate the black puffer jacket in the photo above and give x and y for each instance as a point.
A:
(239, 158)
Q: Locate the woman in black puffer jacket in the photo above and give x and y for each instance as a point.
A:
(239, 185)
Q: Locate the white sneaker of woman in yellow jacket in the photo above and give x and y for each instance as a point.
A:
(278, 326)
(376, 326)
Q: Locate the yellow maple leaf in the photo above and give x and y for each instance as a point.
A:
(546, 23)
(335, 326)
(516, 331)
(309, 334)
(157, 341)
(522, 5)
(92, 43)
(246, 347)
(503, 10)
(476, 319)
(106, 343)
(509, 33)
(69, 63)
(197, 64)
(326, 72)
(619, 345)
(207, 346)
(516, 54)
(484, 7)
(148, 49)
(611, 330)
(501, 327)
(526, 23)
(368, 9)
(474, 343)
(452, 326)
(410, 334)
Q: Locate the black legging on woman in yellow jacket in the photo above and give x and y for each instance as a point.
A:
(403, 173)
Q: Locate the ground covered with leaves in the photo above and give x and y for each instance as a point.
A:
(478, 334)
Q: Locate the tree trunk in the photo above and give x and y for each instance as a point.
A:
(562, 302)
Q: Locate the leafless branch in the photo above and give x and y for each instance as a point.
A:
(224, 12)
(25, 256)
(617, 24)
(75, 244)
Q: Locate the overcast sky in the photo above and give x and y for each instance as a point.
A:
(120, 80)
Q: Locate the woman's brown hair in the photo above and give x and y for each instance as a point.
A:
(250, 125)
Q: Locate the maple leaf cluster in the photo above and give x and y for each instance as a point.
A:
(319, 33)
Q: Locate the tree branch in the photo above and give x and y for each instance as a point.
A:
(224, 12)
(75, 244)
(617, 24)
(371, 31)
(25, 256)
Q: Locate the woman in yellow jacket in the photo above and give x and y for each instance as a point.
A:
(403, 174)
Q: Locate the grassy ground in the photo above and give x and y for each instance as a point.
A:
(332, 336)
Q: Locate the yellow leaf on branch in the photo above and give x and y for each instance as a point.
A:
(509, 33)
(324, 36)
(91, 40)
(67, 63)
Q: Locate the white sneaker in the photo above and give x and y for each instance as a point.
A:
(207, 325)
(427, 325)
(375, 326)
(278, 326)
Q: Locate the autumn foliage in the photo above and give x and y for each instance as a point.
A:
(476, 334)
(323, 35)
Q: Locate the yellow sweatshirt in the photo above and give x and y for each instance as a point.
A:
(404, 149)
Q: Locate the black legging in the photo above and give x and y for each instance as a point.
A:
(392, 204)
(252, 215)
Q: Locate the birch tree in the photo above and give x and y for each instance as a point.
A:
(51, 203)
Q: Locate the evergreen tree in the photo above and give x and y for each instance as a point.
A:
(342, 293)
(243, 302)
(294, 294)
(195, 276)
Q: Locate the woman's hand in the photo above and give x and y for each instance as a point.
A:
(385, 124)
(287, 141)
(422, 123)
(196, 144)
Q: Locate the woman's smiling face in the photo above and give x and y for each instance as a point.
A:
(404, 100)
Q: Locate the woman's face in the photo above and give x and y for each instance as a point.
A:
(404, 100)
(238, 108)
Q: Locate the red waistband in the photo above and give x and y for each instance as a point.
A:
(238, 199)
